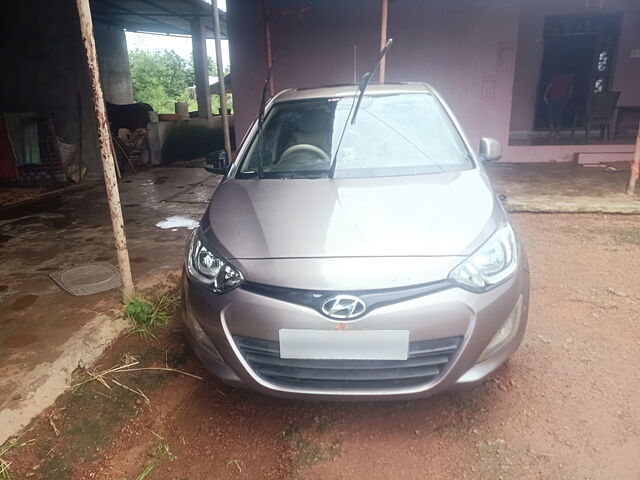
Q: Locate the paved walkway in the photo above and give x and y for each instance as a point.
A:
(45, 333)
(563, 188)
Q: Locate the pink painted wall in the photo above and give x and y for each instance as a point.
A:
(467, 49)
(530, 49)
(248, 60)
(464, 48)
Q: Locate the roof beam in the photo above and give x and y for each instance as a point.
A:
(171, 12)
(141, 15)
(148, 14)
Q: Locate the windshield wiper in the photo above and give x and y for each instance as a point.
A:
(263, 104)
(362, 86)
(364, 82)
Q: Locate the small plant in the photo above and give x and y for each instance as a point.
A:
(4, 449)
(147, 315)
(158, 453)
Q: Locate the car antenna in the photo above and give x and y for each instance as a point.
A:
(362, 86)
(263, 105)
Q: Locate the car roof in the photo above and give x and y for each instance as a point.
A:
(346, 90)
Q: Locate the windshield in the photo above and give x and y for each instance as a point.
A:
(400, 134)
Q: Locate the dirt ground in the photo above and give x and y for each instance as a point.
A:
(564, 407)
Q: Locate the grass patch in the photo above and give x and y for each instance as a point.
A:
(147, 315)
(5, 473)
(157, 453)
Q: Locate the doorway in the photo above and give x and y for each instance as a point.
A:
(583, 46)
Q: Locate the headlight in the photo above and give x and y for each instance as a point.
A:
(208, 268)
(491, 264)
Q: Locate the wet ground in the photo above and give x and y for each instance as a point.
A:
(564, 407)
(44, 331)
(564, 187)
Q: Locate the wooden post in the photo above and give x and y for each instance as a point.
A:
(635, 167)
(104, 142)
(223, 88)
(383, 37)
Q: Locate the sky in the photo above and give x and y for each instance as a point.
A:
(181, 45)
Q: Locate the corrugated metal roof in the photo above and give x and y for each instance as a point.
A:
(157, 16)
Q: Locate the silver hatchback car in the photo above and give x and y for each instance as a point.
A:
(364, 259)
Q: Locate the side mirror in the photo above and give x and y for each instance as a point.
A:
(217, 162)
(490, 149)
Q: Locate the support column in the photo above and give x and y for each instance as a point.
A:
(104, 141)
(223, 89)
(200, 67)
(383, 38)
(635, 167)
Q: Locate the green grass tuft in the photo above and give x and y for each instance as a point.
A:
(5, 474)
(148, 315)
(157, 454)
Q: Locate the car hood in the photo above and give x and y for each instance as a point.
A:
(448, 214)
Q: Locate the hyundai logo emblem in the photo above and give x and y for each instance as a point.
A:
(343, 307)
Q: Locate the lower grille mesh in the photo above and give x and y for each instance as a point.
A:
(426, 361)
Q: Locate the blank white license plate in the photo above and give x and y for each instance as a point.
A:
(344, 344)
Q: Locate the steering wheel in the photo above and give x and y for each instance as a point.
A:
(304, 152)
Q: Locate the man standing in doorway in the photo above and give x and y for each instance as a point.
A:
(556, 97)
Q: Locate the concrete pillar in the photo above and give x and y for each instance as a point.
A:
(200, 67)
(113, 60)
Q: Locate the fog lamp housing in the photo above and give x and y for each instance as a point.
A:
(201, 337)
(505, 334)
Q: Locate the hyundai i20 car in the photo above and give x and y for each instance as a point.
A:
(362, 258)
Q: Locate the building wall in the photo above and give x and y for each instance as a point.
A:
(466, 50)
(42, 49)
(42, 52)
(248, 60)
(113, 57)
(530, 50)
(313, 45)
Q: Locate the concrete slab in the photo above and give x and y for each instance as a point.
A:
(563, 188)
(45, 333)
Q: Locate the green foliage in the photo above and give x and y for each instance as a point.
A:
(157, 453)
(160, 78)
(148, 315)
(6, 448)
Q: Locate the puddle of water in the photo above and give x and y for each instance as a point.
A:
(23, 302)
(158, 180)
(139, 259)
(19, 340)
(177, 221)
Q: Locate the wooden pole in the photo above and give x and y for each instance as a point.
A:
(223, 88)
(635, 167)
(104, 142)
(383, 37)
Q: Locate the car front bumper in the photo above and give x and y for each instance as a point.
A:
(215, 322)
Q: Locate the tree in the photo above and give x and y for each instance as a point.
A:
(160, 78)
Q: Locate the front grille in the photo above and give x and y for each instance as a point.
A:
(426, 361)
(372, 298)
